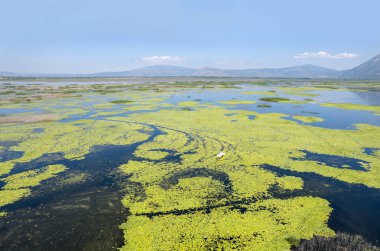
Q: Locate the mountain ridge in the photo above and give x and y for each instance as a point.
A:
(368, 70)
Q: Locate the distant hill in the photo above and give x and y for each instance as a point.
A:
(369, 70)
(303, 71)
(151, 71)
(7, 74)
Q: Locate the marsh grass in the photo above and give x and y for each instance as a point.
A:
(6, 92)
(31, 118)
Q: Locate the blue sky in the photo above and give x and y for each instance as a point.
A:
(84, 36)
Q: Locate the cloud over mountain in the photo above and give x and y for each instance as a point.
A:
(324, 54)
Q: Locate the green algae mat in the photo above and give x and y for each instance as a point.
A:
(187, 165)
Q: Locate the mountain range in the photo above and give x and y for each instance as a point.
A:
(369, 70)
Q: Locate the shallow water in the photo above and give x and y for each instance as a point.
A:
(334, 118)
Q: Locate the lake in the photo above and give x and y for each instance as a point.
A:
(132, 164)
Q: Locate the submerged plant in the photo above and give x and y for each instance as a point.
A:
(342, 241)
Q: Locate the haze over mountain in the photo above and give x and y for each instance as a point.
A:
(369, 70)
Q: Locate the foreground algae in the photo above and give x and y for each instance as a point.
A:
(74, 140)
(31, 178)
(192, 213)
(199, 191)
(18, 185)
(228, 229)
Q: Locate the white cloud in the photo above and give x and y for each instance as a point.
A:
(324, 54)
(162, 59)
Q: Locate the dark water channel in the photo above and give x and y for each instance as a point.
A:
(80, 216)
(356, 208)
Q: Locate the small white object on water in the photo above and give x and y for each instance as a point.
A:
(220, 155)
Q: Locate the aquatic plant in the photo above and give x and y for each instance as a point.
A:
(74, 139)
(274, 143)
(264, 225)
(258, 92)
(121, 101)
(10, 196)
(179, 194)
(188, 103)
(308, 119)
(274, 99)
(230, 193)
(264, 106)
(31, 178)
(371, 108)
(18, 185)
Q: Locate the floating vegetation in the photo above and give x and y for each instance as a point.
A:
(60, 137)
(122, 101)
(178, 189)
(290, 183)
(10, 196)
(308, 119)
(18, 185)
(171, 196)
(188, 103)
(302, 93)
(273, 144)
(5, 167)
(31, 178)
(264, 106)
(375, 109)
(259, 92)
(229, 228)
(274, 99)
